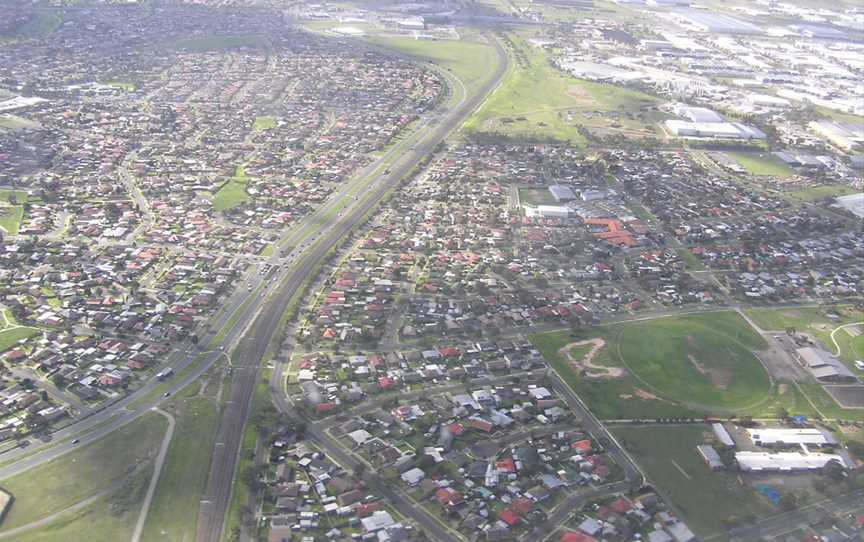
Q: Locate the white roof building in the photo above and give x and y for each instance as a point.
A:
(790, 437)
(784, 461)
(380, 519)
(412, 477)
(723, 435)
(718, 130)
(360, 436)
(697, 114)
(548, 211)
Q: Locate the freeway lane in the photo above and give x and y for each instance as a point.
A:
(251, 350)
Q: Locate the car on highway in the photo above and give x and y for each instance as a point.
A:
(166, 394)
(75, 441)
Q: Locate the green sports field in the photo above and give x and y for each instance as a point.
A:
(697, 360)
(763, 164)
(678, 366)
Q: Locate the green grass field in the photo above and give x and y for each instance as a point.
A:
(13, 122)
(690, 260)
(536, 101)
(472, 62)
(173, 512)
(264, 123)
(826, 404)
(77, 475)
(705, 498)
(681, 366)
(128, 87)
(707, 362)
(10, 337)
(536, 196)
(15, 197)
(762, 164)
(11, 217)
(233, 192)
(816, 193)
(40, 22)
(111, 517)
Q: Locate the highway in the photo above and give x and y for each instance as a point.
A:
(315, 245)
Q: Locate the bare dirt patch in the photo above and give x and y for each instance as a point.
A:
(639, 393)
(718, 377)
(583, 97)
(586, 366)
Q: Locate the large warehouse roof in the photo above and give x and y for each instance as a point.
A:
(783, 435)
(784, 462)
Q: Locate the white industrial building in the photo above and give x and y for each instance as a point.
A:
(784, 461)
(548, 211)
(854, 203)
(722, 435)
(783, 436)
(697, 114)
(846, 136)
(717, 130)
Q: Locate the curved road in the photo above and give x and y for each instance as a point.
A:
(333, 230)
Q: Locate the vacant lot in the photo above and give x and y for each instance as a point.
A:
(816, 193)
(173, 513)
(9, 337)
(73, 477)
(471, 61)
(537, 101)
(264, 123)
(668, 456)
(111, 517)
(683, 366)
(536, 196)
(10, 217)
(233, 192)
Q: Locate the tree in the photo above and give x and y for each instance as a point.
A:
(782, 413)
(789, 501)
(834, 470)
